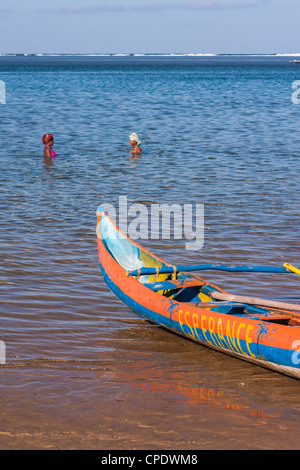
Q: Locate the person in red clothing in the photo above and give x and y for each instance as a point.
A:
(48, 141)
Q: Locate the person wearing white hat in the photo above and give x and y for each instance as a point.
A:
(135, 143)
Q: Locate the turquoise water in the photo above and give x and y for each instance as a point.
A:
(218, 131)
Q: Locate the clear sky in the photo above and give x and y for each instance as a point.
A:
(145, 26)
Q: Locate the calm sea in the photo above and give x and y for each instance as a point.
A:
(82, 370)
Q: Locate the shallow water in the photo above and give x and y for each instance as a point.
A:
(82, 370)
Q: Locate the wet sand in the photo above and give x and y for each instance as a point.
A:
(182, 397)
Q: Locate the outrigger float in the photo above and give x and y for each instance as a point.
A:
(260, 331)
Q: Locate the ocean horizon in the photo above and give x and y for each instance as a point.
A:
(150, 54)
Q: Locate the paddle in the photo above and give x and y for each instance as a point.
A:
(286, 268)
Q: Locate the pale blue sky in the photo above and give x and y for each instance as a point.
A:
(122, 26)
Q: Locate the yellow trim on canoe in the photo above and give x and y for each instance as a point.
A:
(291, 268)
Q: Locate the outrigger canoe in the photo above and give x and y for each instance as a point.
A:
(262, 332)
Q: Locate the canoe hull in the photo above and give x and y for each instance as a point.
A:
(270, 345)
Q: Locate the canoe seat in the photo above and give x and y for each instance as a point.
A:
(176, 284)
(276, 317)
(218, 304)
